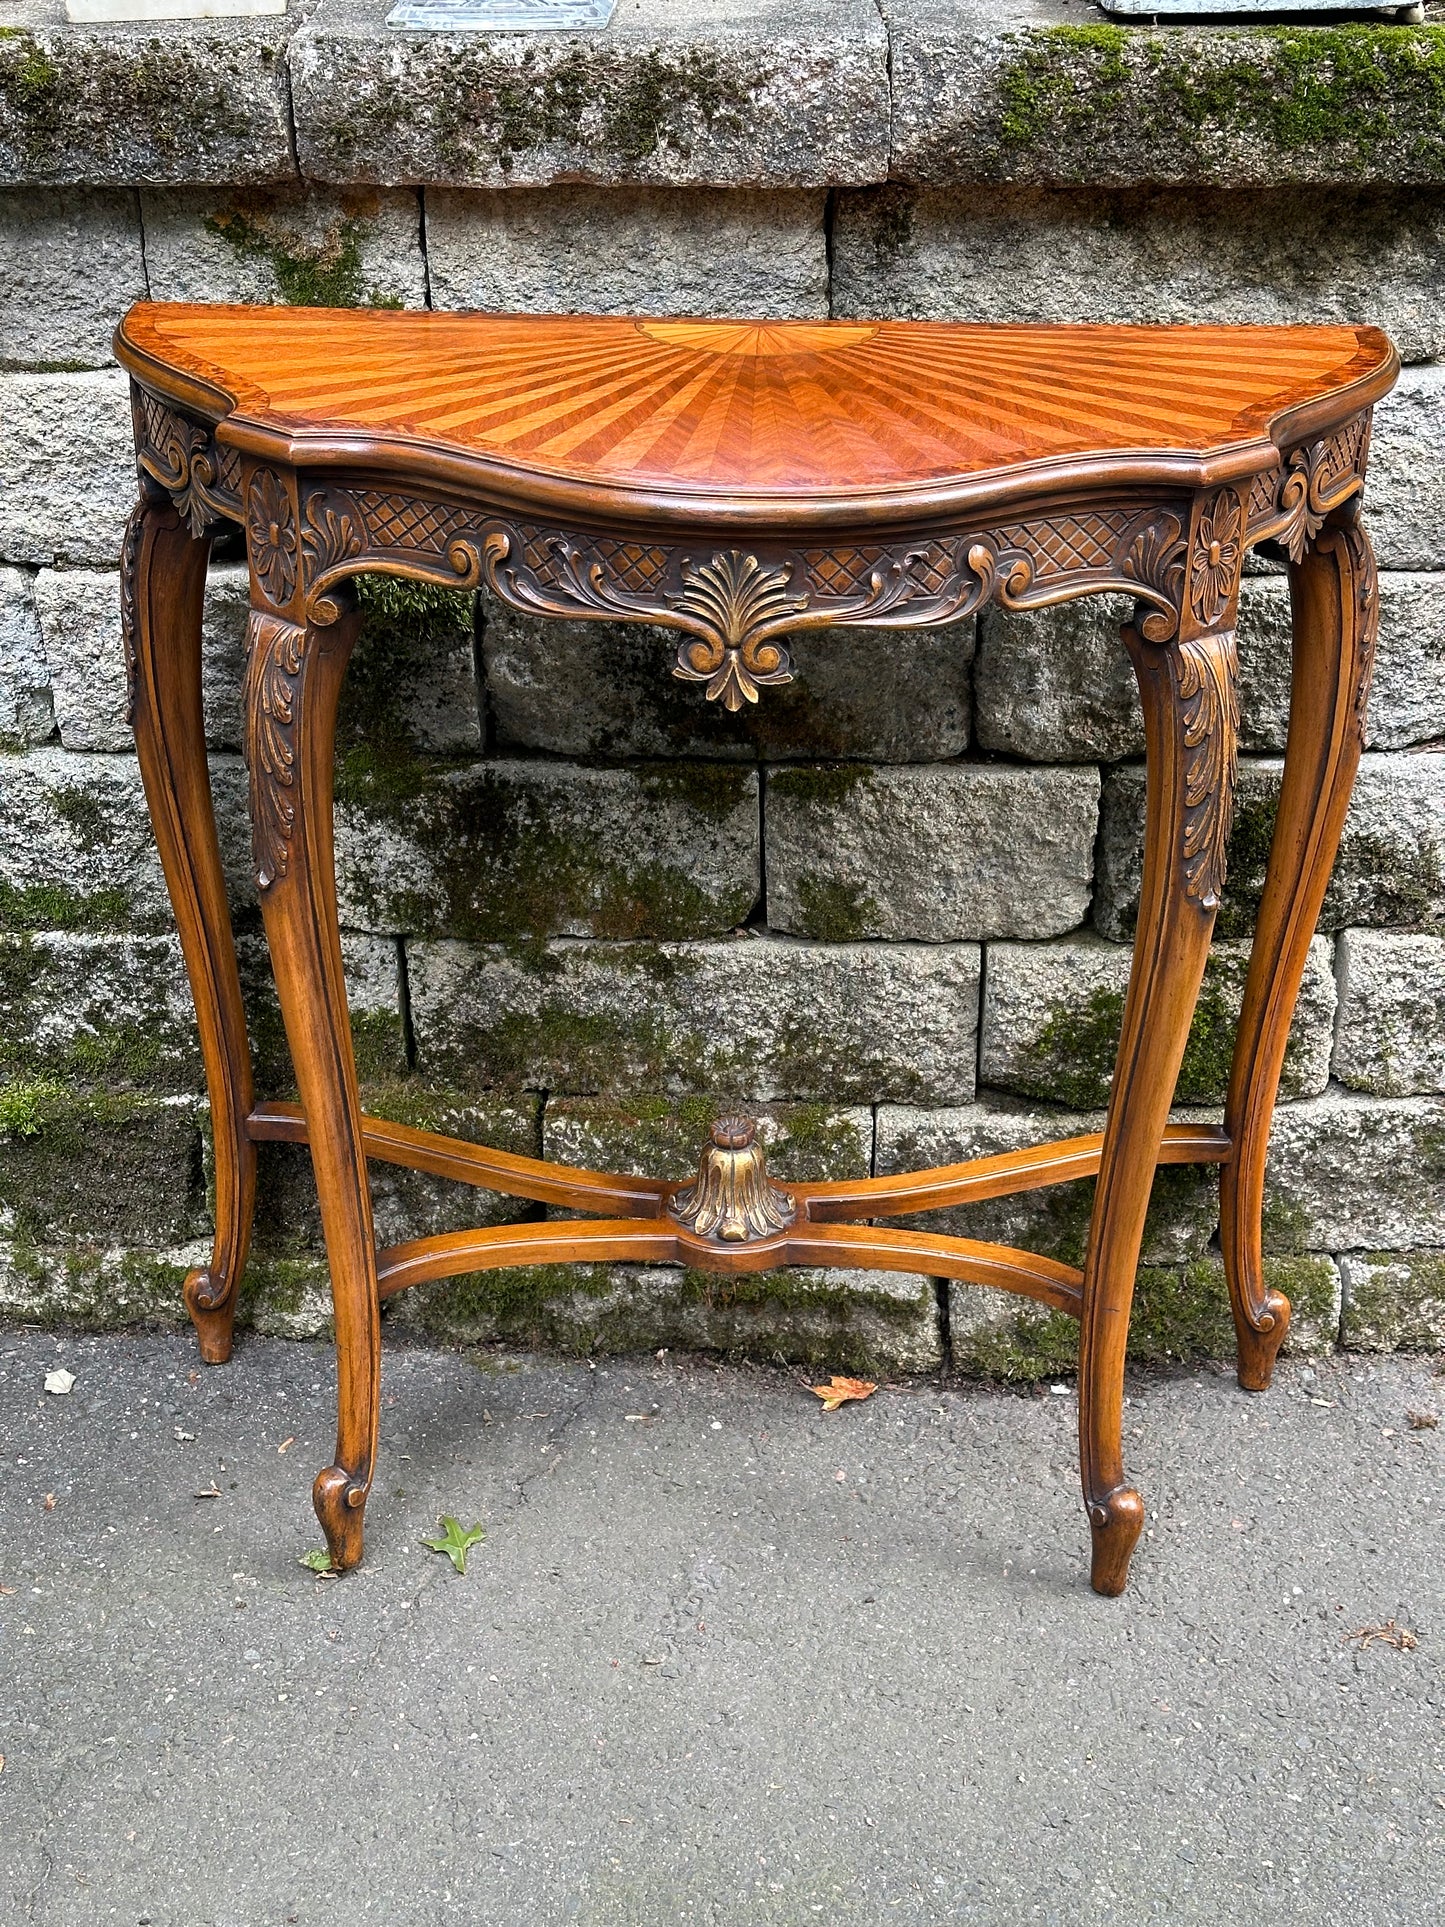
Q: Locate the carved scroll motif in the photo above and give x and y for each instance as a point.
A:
(277, 654)
(129, 613)
(1207, 670)
(271, 536)
(332, 536)
(202, 480)
(1289, 504)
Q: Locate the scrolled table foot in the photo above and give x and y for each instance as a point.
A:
(339, 1497)
(1259, 1342)
(1115, 1522)
(210, 1296)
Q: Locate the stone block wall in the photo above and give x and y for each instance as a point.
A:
(890, 907)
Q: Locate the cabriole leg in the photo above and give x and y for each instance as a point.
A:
(163, 582)
(1333, 592)
(293, 682)
(1191, 727)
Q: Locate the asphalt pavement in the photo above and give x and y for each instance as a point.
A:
(722, 1657)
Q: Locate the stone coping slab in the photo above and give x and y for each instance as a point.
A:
(1027, 90)
(197, 101)
(728, 93)
(723, 93)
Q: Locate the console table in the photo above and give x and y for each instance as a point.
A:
(740, 482)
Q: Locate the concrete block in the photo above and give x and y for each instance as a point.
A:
(830, 1320)
(1052, 1013)
(1393, 1301)
(1147, 254)
(669, 251)
(71, 263)
(607, 689)
(1391, 1033)
(757, 1017)
(314, 247)
(937, 852)
(67, 467)
(1351, 1173)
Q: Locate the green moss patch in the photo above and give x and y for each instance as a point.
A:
(59, 91)
(663, 1136)
(501, 855)
(1362, 100)
(822, 786)
(1070, 1061)
(112, 1166)
(1180, 1315)
(326, 273)
(52, 906)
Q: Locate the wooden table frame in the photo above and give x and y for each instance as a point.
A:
(1171, 531)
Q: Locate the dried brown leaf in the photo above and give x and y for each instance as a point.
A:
(839, 1391)
(1390, 1634)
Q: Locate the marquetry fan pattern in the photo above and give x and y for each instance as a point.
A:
(796, 407)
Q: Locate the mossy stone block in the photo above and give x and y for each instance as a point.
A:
(113, 1166)
(79, 853)
(373, 989)
(989, 93)
(1394, 1301)
(1146, 255)
(516, 851)
(937, 852)
(663, 1137)
(758, 1017)
(297, 246)
(67, 466)
(699, 96)
(1180, 1314)
(93, 1286)
(1183, 1208)
(199, 100)
(286, 1295)
(1391, 1039)
(1052, 1015)
(1351, 1173)
(113, 1010)
(1390, 871)
(607, 689)
(405, 1204)
(870, 1322)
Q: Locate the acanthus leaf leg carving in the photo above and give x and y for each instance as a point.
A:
(1336, 612)
(292, 689)
(163, 585)
(1191, 721)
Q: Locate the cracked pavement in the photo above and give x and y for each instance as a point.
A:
(722, 1658)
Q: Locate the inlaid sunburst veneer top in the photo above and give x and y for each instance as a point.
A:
(739, 408)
